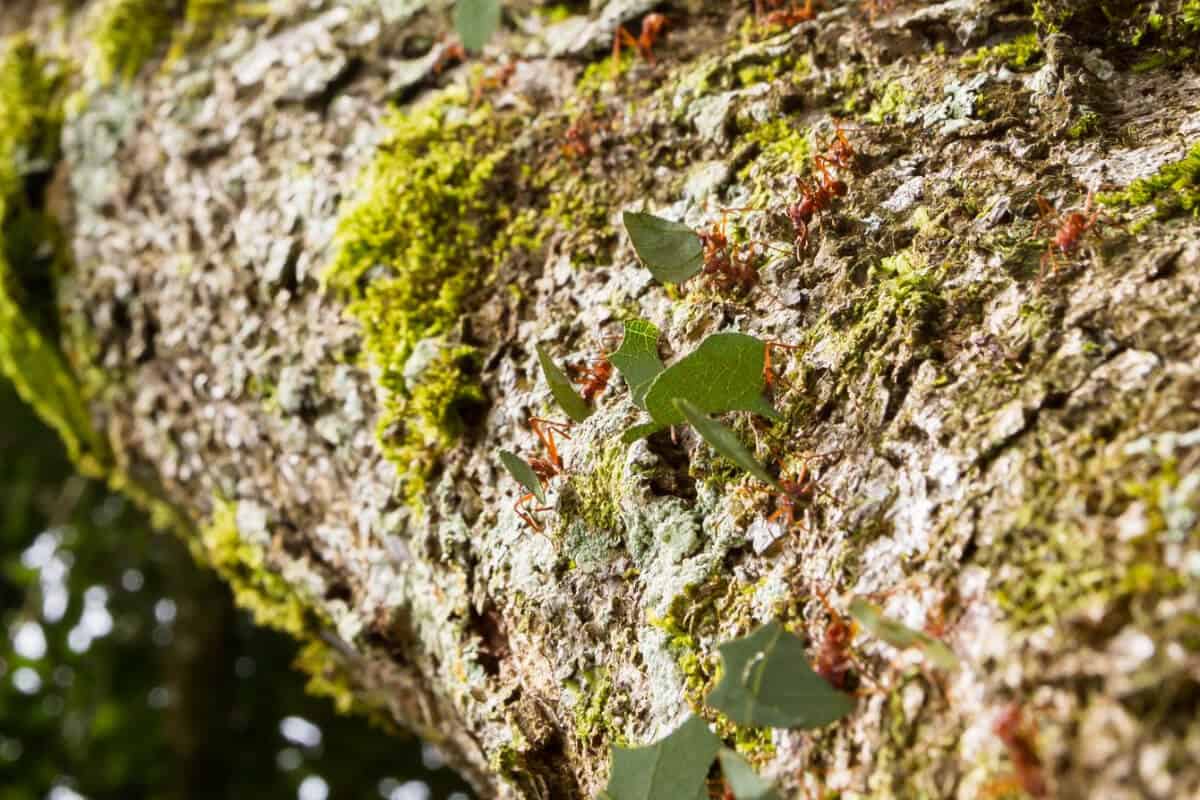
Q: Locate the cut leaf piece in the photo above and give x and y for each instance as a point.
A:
(725, 373)
(670, 250)
(899, 635)
(670, 768)
(637, 358)
(742, 779)
(560, 386)
(725, 442)
(767, 681)
(475, 21)
(523, 473)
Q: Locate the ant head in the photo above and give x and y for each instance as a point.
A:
(839, 188)
(654, 24)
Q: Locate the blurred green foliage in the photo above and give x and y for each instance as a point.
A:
(126, 671)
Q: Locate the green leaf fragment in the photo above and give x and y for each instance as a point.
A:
(725, 442)
(560, 387)
(476, 21)
(767, 681)
(900, 636)
(742, 779)
(670, 250)
(673, 767)
(637, 358)
(725, 373)
(523, 473)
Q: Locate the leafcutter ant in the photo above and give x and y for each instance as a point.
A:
(790, 16)
(592, 376)
(833, 661)
(1018, 738)
(1070, 228)
(794, 492)
(545, 468)
(815, 196)
(653, 26)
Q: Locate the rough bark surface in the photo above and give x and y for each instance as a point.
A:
(1010, 449)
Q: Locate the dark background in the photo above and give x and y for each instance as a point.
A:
(126, 671)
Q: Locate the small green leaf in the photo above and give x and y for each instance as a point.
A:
(560, 386)
(476, 21)
(637, 358)
(742, 779)
(725, 373)
(767, 681)
(725, 442)
(671, 251)
(900, 636)
(523, 473)
(673, 767)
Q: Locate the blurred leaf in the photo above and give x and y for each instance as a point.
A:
(742, 779)
(725, 442)
(725, 373)
(523, 473)
(560, 386)
(476, 21)
(671, 251)
(899, 635)
(637, 358)
(673, 767)
(767, 681)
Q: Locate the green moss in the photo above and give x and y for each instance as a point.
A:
(1086, 124)
(784, 148)
(329, 676)
(590, 717)
(203, 20)
(270, 599)
(888, 103)
(431, 413)
(596, 495)
(1021, 53)
(33, 253)
(1172, 190)
(900, 305)
(409, 250)
(129, 33)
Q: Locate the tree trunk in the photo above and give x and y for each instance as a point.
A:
(304, 326)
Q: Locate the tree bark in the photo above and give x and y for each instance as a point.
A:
(302, 322)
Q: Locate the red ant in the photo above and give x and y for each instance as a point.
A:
(1071, 227)
(653, 26)
(793, 492)
(769, 376)
(840, 152)
(814, 197)
(578, 135)
(874, 7)
(1018, 738)
(728, 267)
(833, 662)
(544, 468)
(452, 53)
(788, 17)
(592, 376)
(496, 79)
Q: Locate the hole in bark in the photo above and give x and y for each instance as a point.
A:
(672, 479)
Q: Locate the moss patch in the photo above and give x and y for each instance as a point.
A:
(128, 34)
(1172, 190)
(242, 564)
(410, 249)
(33, 253)
(1020, 53)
